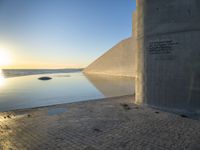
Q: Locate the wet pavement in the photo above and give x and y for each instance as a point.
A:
(108, 124)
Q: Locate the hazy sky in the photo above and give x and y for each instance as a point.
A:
(62, 33)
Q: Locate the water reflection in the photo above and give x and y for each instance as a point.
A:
(29, 92)
(111, 86)
(2, 78)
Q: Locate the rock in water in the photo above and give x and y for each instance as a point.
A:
(45, 78)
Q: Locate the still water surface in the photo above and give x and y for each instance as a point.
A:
(28, 91)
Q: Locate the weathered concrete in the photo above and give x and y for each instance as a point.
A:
(118, 61)
(97, 125)
(168, 64)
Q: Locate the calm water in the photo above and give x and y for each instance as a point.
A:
(28, 91)
(22, 72)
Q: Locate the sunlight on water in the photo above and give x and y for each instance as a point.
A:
(2, 79)
(29, 92)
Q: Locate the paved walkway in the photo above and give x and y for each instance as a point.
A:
(109, 124)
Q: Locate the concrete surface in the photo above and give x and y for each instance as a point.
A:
(108, 124)
(118, 61)
(168, 52)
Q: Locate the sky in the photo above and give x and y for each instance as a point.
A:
(60, 33)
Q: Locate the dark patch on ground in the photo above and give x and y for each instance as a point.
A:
(183, 116)
(97, 130)
(125, 106)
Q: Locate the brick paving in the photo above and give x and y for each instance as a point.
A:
(107, 124)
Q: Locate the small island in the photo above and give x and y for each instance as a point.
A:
(44, 78)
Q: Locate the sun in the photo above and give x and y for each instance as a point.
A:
(4, 58)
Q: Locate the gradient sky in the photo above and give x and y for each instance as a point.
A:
(62, 33)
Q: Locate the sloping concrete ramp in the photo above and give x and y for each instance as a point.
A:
(118, 61)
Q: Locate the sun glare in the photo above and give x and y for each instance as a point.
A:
(4, 58)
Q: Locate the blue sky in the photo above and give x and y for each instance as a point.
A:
(62, 33)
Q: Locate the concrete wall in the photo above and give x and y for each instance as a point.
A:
(168, 52)
(118, 61)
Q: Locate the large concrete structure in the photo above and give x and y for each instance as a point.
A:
(168, 64)
(163, 55)
(118, 61)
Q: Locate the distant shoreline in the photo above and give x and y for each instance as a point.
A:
(9, 73)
